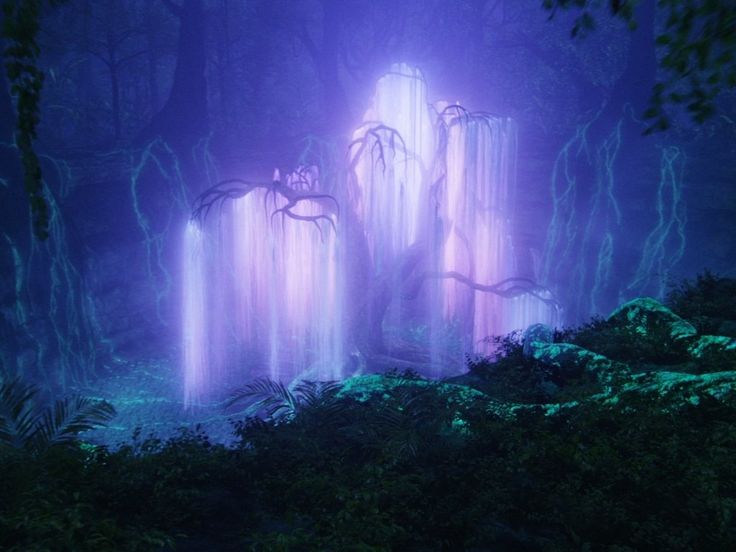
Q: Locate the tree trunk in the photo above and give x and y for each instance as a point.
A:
(183, 120)
(334, 100)
(152, 65)
(7, 113)
(606, 211)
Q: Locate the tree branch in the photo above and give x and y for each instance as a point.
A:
(236, 188)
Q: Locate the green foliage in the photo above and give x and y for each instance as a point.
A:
(44, 486)
(18, 419)
(510, 376)
(697, 52)
(699, 47)
(406, 466)
(279, 402)
(389, 476)
(48, 505)
(708, 302)
(23, 424)
(20, 28)
(585, 22)
(626, 344)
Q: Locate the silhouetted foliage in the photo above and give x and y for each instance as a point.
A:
(625, 344)
(708, 302)
(698, 52)
(24, 424)
(21, 22)
(279, 402)
(510, 376)
(406, 466)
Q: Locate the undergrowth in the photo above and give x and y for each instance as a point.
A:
(403, 470)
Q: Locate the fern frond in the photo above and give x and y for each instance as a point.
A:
(274, 397)
(18, 414)
(69, 417)
(312, 394)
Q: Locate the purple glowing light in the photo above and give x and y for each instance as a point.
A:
(265, 299)
(391, 168)
(265, 293)
(477, 207)
(196, 357)
(288, 292)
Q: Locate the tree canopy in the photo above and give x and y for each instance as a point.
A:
(696, 51)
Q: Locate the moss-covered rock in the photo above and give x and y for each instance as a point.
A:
(372, 386)
(681, 388)
(647, 316)
(646, 323)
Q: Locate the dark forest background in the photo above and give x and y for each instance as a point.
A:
(147, 103)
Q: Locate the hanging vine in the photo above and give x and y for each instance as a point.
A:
(21, 23)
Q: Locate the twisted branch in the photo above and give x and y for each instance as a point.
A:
(393, 139)
(516, 286)
(235, 188)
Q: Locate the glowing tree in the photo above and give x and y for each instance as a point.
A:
(408, 262)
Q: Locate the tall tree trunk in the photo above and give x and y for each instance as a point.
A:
(183, 120)
(152, 66)
(605, 217)
(334, 100)
(7, 113)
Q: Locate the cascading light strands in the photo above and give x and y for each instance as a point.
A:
(194, 315)
(391, 152)
(265, 299)
(287, 287)
(431, 191)
(417, 169)
(476, 208)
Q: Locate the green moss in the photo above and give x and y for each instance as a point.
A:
(489, 460)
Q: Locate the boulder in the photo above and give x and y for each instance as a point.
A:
(646, 316)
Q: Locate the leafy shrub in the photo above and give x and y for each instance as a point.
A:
(707, 302)
(27, 425)
(508, 375)
(625, 344)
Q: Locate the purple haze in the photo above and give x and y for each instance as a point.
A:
(269, 292)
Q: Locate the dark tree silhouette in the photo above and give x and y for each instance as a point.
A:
(20, 26)
(183, 120)
(116, 46)
(698, 51)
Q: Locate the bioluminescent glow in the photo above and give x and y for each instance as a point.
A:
(194, 304)
(477, 210)
(392, 153)
(421, 170)
(431, 191)
(287, 288)
(665, 244)
(265, 298)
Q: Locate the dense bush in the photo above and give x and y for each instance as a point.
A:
(390, 474)
(404, 469)
(708, 302)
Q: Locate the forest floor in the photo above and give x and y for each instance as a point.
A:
(148, 398)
